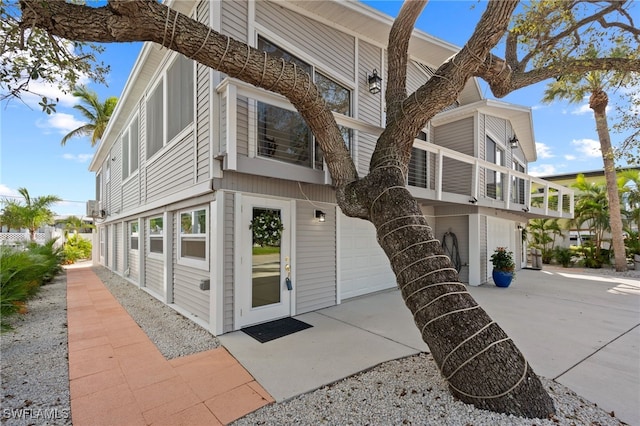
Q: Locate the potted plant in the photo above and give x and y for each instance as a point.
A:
(503, 267)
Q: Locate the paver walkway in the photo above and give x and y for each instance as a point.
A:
(118, 376)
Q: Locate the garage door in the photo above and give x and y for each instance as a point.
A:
(364, 268)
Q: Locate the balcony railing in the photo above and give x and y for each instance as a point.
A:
(436, 173)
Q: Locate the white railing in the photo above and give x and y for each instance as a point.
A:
(466, 187)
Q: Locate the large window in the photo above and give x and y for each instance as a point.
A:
(177, 111)
(193, 238)
(494, 179)
(130, 146)
(156, 235)
(283, 134)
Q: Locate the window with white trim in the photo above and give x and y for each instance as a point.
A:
(174, 111)
(134, 235)
(193, 239)
(130, 146)
(156, 235)
(494, 179)
(283, 134)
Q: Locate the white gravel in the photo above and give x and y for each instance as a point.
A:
(35, 380)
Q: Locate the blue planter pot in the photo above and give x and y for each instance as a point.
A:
(502, 278)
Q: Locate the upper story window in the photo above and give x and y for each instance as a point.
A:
(494, 179)
(518, 185)
(192, 249)
(170, 105)
(156, 235)
(283, 134)
(130, 148)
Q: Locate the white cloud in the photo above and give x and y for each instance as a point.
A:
(59, 122)
(570, 157)
(542, 170)
(543, 150)
(5, 191)
(582, 109)
(588, 147)
(80, 158)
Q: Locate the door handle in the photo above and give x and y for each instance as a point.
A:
(287, 267)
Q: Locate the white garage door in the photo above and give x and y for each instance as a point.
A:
(364, 268)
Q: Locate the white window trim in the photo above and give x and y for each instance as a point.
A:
(153, 254)
(189, 261)
(131, 153)
(161, 79)
(131, 235)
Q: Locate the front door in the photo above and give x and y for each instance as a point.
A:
(263, 288)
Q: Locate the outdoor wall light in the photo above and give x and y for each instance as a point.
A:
(375, 82)
(320, 215)
(526, 209)
(514, 141)
(473, 200)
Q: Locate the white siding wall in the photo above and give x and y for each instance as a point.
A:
(186, 280)
(229, 260)
(332, 48)
(234, 22)
(458, 136)
(154, 276)
(134, 263)
(315, 260)
(172, 171)
(459, 226)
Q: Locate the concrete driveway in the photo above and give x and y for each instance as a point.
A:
(580, 329)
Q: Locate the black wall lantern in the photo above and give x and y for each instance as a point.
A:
(320, 215)
(514, 141)
(375, 82)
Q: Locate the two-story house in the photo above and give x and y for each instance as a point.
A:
(192, 157)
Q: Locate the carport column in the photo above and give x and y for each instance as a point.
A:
(168, 234)
(474, 249)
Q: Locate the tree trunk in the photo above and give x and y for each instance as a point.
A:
(480, 362)
(598, 103)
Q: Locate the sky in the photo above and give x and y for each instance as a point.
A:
(31, 155)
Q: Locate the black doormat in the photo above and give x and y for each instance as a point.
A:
(275, 329)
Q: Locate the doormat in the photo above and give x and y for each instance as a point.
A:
(275, 329)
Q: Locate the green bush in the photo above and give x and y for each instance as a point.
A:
(563, 256)
(22, 272)
(76, 248)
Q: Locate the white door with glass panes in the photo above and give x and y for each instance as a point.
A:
(264, 288)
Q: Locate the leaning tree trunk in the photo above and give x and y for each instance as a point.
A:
(598, 103)
(481, 364)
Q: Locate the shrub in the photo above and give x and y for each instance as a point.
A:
(502, 260)
(563, 256)
(21, 274)
(76, 248)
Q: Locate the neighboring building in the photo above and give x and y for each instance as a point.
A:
(191, 157)
(573, 235)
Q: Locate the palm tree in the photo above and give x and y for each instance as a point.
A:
(96, 113)
(35, 212)
(629, 187)
(544, 232)
(74, 224)
(592, 209)
(574, 88)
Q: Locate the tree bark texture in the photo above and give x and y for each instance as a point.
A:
(481, 364)
(598, 103)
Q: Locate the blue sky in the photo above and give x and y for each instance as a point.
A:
(31, 155)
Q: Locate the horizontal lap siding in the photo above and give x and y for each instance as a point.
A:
(134, 264)
(131, 193)
(369, 105)
(154, 275)
(172, 171)
(229, 259)
(459, 225)
(329, 46)
(186, 281)
(315, 258)
(456, 176)
(119, 247)
(115, 191)
(234, 19)
(275, 187)
(203, 120)
(366, 145)
(142, 170)
(242, 131)
(415, 78)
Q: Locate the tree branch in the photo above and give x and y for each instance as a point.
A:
(125, 21)
(398, 54)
